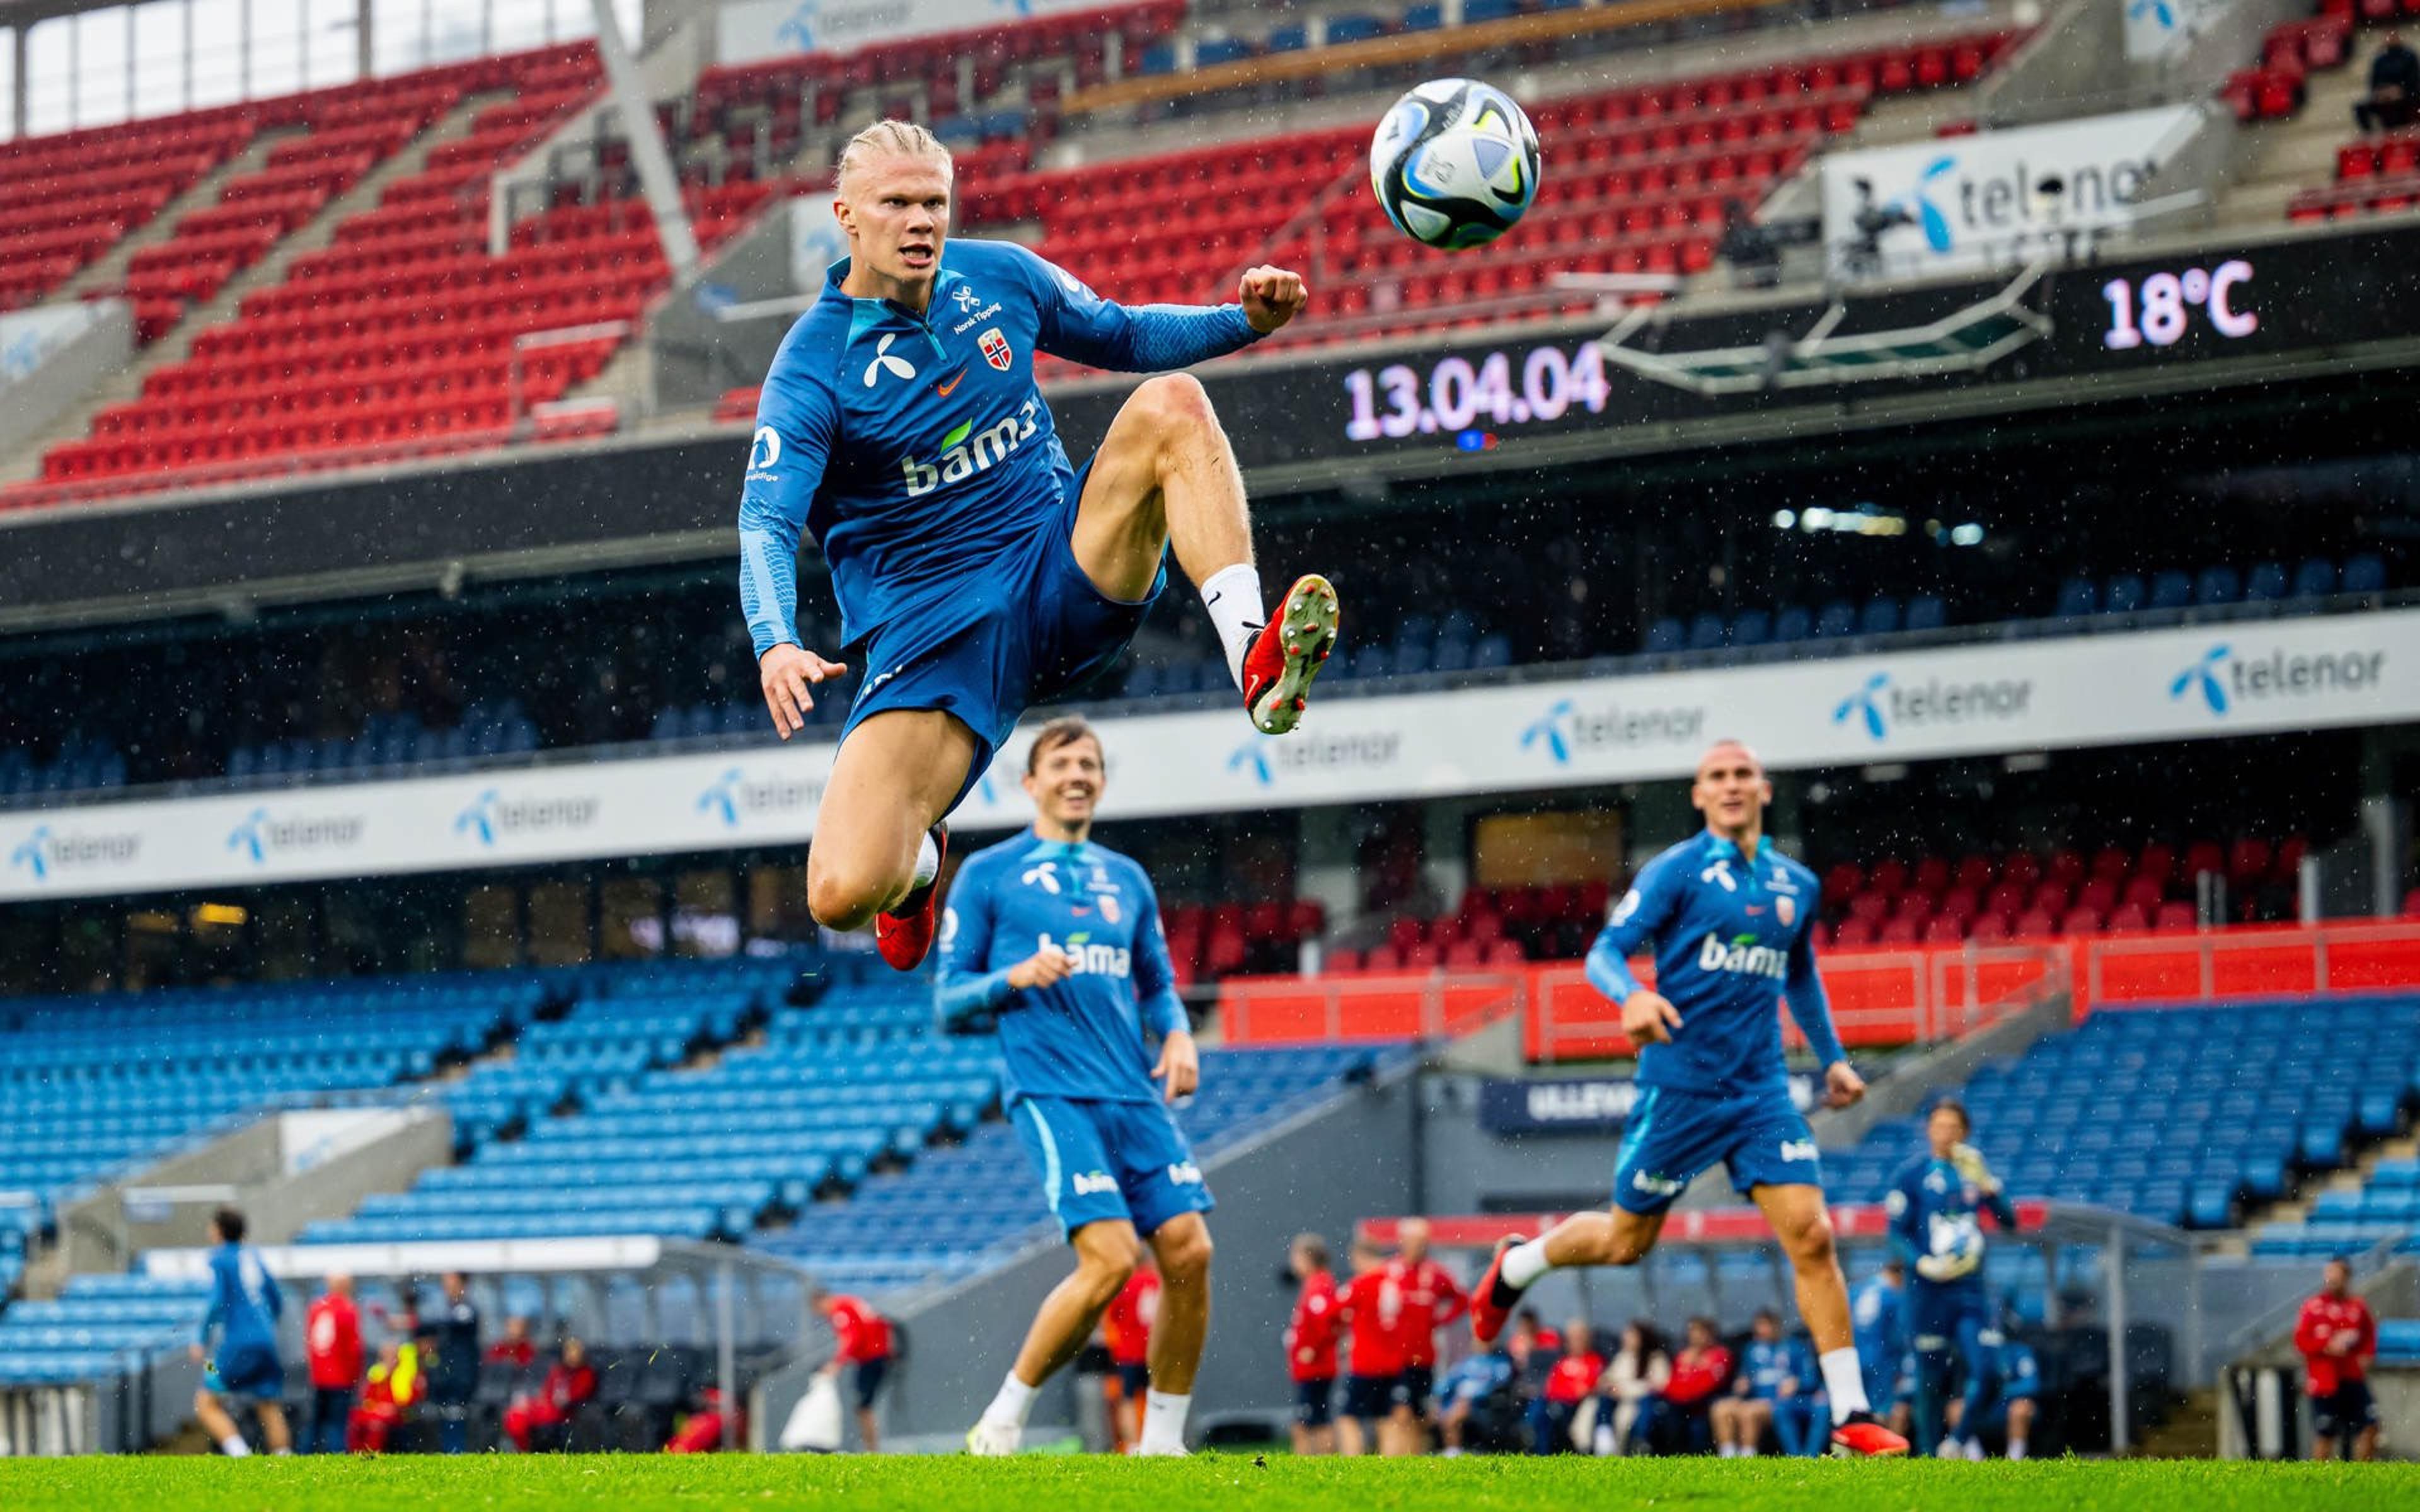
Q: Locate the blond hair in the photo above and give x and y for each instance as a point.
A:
(901, 139)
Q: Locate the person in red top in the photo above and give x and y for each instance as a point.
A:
(1373, 1313)
(1570, 1382)
(1310, 1347)
(332, 1339)
(702, 1432)
(515, 1349)
(2336, 1335)
(1126, 1324)
(862, 1338)
(571, 1380)
(1698, 1374)
(1431, 1299)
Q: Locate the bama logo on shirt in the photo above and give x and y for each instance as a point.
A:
(1743, 957)
(1092, 960)
(966, 451)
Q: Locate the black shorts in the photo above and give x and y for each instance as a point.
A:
(1369, 1397)
(1315, 1402)
(870, 1376)
(2344, 1412)
(1415, 1385)
(1134, 1380)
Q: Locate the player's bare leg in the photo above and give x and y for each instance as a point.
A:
(1105, 1260)
(214, 1418)
(890, 784)
(1614, 1237)
(1166, 477)
(1182, 1248)
(1802, 1223)
(273, 1429)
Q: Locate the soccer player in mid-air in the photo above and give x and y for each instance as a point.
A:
(1932, 1204)
(245, 1307)
(979, 572)
(1058, 941)
(1729, 918)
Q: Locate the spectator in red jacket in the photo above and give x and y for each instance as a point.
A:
(515, 1347)
(571, 1380)
(862, 1340)
(1698, 1373)
(2337, 1336)
(1431, 1299)
(703, 1432)
(1373, 1314)
(1310, 1347)
(1570, 1382)
(332, 1339)
(1126, 1327)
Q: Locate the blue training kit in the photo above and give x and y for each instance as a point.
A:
(1078, 1080)
(1932, 1208)
(1732, 936)
(245, 1307)
(915, 450)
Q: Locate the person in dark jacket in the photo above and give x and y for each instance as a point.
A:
(453, 1358)
(2394, 97)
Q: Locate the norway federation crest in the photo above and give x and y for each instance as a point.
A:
(1110, 908)
(995, 349)
(1786, 910)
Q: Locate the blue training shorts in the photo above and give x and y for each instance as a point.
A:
(1675, 1136)
(250, 1372)
(1941, 1314)
(1102, 1160)
(1028, 628)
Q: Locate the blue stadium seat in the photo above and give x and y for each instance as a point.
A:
(1423, 18)
(1354, 28)
(1881, 616)
(1494, 651)
(1837, 619)
(1214, 51)
(1666, 635)
(2266, 584)
(2364, 574)
(2218, 586)
(1159, 57)
(1792, 625)
(2122, 595)
(1926, 611)
(1708, 631)
(1290, 38)
(1753, 627)
(2315, 578)
(2170, 589)
(1474, 11)
(2077, 596)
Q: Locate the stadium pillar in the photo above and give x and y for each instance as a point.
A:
(725, 1355)
(2119, 1439)
(647, 152)
(362, 39)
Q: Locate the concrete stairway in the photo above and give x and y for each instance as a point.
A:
(107, 273)
(268, 273)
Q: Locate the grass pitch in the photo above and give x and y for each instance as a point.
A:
(1206, 1483)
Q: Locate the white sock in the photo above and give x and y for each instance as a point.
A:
(1844, 1384)
(928, 859)
(234, 1447)
(1732, 1451)
(2016, 1448)
(1163, 1420)
(1016, 1399)
(1525, 1262)
(286, 1451)
(1237, 612)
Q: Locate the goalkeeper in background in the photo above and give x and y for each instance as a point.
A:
(1934, 1225)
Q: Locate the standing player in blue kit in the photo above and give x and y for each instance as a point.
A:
(981, 572)
(1729, 918)
(1058, 940)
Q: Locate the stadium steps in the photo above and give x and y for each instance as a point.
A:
(107, 273)
(268, 271)
(2281, 159)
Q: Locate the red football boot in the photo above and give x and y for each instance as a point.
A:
(905, 934)
(1862, 1437)
(1487, 1313)
(1286, 655)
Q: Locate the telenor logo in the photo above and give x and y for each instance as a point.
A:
(1564, 729)
(1267, 761)
(34, 854)
(731, 796)
(491, 815)
(46, 851)
(2224, 681)
(1865, 703)
(1917, 202)
(1881, 705)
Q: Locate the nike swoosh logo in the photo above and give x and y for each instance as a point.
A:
(944, 389)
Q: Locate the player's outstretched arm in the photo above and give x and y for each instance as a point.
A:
(1803, 988)
(1179, 1070)
(795, 422)
(1646, 1017)
(1082, 326)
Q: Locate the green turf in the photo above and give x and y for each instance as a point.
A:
(1226, 1483)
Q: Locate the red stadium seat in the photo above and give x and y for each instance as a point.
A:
(2175, 919)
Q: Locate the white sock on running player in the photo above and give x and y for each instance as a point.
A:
(1163, 1422)
(1237, 612)
(1016, 1399)
(234, 1447)
(928, 859)
(1525, 1262)
(1844, 1382)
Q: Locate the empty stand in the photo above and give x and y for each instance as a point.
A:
(67, 199)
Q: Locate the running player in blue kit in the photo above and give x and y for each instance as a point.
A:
(978, 570)
(1058, 941)
(1729, 918)
(241, 1323)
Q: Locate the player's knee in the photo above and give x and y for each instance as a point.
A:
(1808, 1237)
(1185, 1257)
(1174, 405)
(843, 897)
